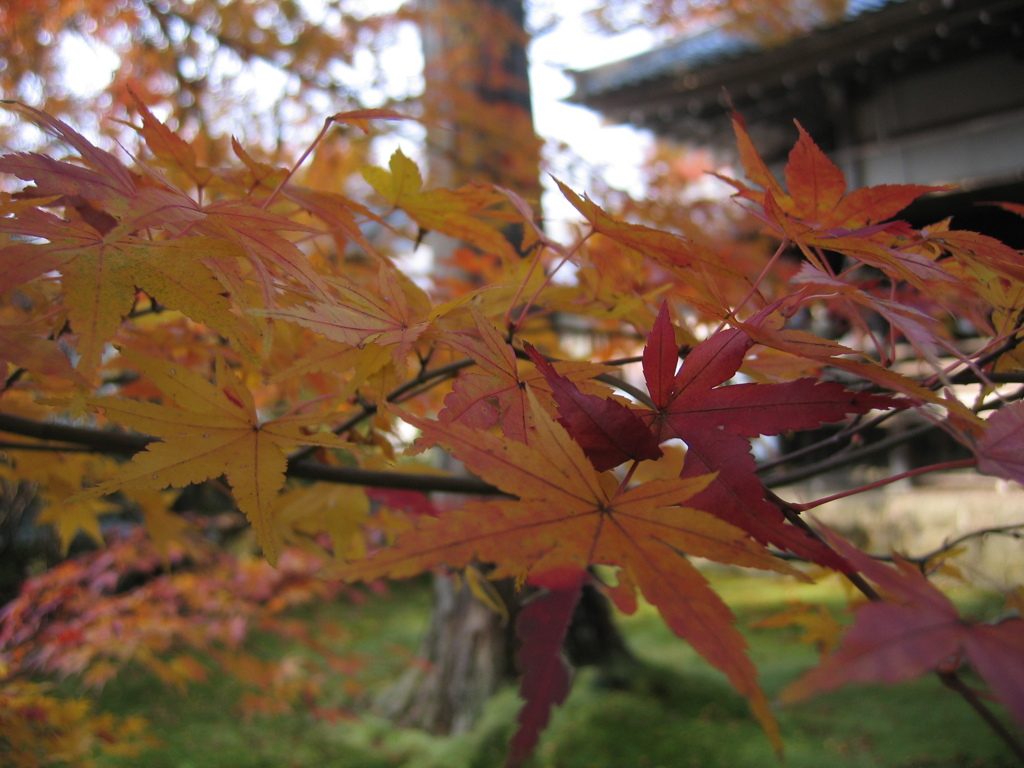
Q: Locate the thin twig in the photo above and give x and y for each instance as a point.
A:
(952, 681)
(944, 467)
(852, 456)
(369, 409)
(793, 516)
(1008, 530)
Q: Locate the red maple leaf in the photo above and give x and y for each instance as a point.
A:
(716, 423)
(608, 431)
(917, 630)
(1001, 448)
(541, 627)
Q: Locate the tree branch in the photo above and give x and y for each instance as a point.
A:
(849, 457)
(105, 441)
(952, 681)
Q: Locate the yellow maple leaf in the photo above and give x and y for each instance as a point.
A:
(466, 213)
(59, 475)
(337, 510)
(819, 626)
(163, 526)
(211, 430)
(76, 515)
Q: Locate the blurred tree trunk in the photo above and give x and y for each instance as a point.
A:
(464, 658)
(480, 128)
(477, 96)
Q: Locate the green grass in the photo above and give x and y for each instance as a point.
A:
(677, 712)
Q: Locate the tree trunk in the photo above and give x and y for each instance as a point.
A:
(476, 102)
(464, 658)
(468, 654)
(480, 128)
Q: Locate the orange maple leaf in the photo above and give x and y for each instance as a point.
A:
(569, 516)
(692, 263)
(101, 274)
(169, 149)
(817, 212)
(495, 392)
(817, 187)
(213, 431)
(394, 313)
(258, 233)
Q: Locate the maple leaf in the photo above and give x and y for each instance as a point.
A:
(75, 516)
(163, 526)
(541, 626)
(697, 267)
(817, 191)
(919, 631)
(973, 248)
(338, 213)
(107, 179)
(817, 187)
(212, 431)
(393, 314)
(608, 431)
(102, 180)
(495, 393)
(1000, 450)
(59, 476)
(26, 345)
(257, 233)
(168, 147)
(460, 213)
(920, 329)
(817, 213)
(769, 331)
(102, 273)
(716, 423)
(663, 246)
(337, 510)
(819, 626)
(569, 516)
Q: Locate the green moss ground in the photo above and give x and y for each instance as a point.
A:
(676, 713)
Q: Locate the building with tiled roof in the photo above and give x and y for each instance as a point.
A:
(898, 91)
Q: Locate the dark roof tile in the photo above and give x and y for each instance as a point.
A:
(704, 49)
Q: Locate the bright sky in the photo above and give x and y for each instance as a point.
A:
(618, 150)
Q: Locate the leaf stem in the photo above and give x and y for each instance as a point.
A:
(547, 279)
(945, 466)
(291, 171)
(760, 278)
(628, 476)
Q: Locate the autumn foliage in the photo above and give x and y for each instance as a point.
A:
(229, 324)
